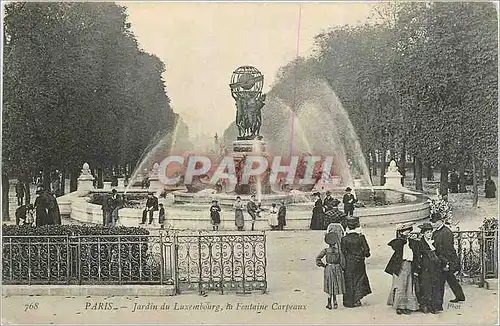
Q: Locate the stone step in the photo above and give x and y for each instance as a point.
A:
(491, 284)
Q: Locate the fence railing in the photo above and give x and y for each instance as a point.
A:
(221, 262)
(203, 261)
(87, 259)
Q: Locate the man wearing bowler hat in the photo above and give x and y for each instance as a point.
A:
(443, 241)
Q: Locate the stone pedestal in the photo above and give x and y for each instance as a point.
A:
(85, 181)
(393, 181)
(121, 183)
(107, 185)
(242, 149)
(393, 177)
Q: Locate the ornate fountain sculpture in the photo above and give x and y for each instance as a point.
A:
(246, 89)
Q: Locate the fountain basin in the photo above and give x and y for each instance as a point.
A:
(195, 214)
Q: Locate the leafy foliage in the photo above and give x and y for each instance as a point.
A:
(77, 88)
(420, 78)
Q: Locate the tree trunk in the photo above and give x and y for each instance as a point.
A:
(402, 164)
(475, 197)
(462, 186)
(73, 181)
(63, 182)
(27, 187)
(414, 166)
(5, 197)
(480, 174)
(382, 167)
(100, 183)
(46, 178)
(430, 172)
(374, 163)
(443, 185)
(417, 162)
(487, 172)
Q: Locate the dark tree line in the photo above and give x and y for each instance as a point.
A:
(77, 88)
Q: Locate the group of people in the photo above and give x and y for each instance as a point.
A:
(344, 264)
(424, 259)
(421, 265)
(44, 211)
(152, 206)
(327, 211)
(276, 219)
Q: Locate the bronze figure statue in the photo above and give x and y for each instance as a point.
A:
(246, 89)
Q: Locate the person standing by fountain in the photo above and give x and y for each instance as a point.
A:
(348, 201)
(402, 266)
(161, 216)
(355, 249)
(445, 250)
(317, 214)
(273, 217)
(282, 216)
(490, 188)
(333, 278)
(239, 220)
(215, 215)
(151, 207)
(334, 215)
(430, 272)
(252, 210)
(114, 204)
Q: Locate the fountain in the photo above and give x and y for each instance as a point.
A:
(321, 129)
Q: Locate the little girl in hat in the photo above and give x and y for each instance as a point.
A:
(335, 263)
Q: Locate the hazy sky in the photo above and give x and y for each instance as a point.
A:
(202, 43)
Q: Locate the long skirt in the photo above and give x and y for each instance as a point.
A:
(333, 279)
(402, 295)
(357, 285)
(317, 221)
(238, 218)
(430, 290)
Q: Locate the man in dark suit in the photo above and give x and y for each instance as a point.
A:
(151, 206)
(348, 201)
(443, 242)
(252, 210)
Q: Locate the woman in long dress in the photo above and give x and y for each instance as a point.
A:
(333, 276)
(402, 266)
(355, 249)
(238, 214)
(273, 217)
(429, 271)
(318, 214)
(215, 215)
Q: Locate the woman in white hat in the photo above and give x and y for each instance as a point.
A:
(402, 266)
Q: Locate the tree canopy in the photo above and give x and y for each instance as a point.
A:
(418, 79)
(77, 88)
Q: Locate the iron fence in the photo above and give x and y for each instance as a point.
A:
(469, 248)
(204, 261)
(221, 262)
(87, 259)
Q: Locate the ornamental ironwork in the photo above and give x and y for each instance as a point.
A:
(221, 262)
(205, 262)
(89, 259)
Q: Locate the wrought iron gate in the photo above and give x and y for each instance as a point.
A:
(220, 261)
